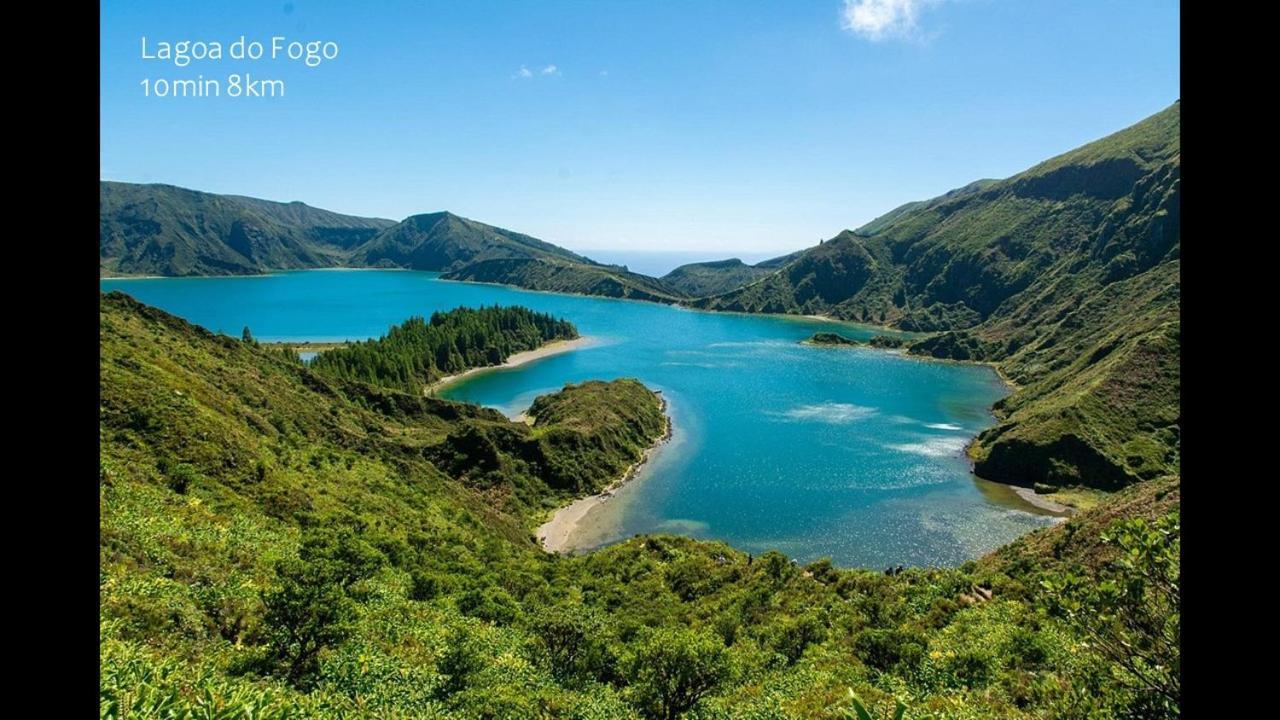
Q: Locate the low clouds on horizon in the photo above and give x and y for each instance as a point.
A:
(878, 20)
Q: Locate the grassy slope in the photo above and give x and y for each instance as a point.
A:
(443, 241)
(200, 391)
(218, 454)
(166, 230)
(170, 231)
(1075, 543)
(712, 278)
(554, 275)
(1066, 276)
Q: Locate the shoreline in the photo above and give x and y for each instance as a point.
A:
(1029, 496)
(554, 347)
(516, 359)
(554, 535)
(316, 346)
(676, 303)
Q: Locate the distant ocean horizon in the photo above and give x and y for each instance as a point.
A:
(657, 263)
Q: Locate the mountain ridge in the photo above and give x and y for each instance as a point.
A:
(1066, 276)
(159, 229)
(443, 241)
(704, 279)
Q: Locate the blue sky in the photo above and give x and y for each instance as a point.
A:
(704, 125)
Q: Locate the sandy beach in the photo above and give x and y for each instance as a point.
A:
(1041, 501)
(520, 358)
(554, 534)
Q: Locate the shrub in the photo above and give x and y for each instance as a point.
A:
(573, 640)
(493, 604)
(886, 649)
(671, 670)
(1131, 612)
(312, 607)
(180, 477)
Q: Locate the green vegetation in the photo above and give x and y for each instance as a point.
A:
(443, 241)
(877, 341)
(166, 230)
(704, 279)
(171, 231)
(1080, 498)
(830, 338)
(568, 277)
(418, 352)
(1066, 276)
(592, 432)
(1132, 612)
(582, 438)
(277, 542)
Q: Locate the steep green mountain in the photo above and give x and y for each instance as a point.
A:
(712, 278)
(554, 275)
(171, 231)
(166, 230)
(419, 351)
(278, 543)
(443, 241)
(1066, 276)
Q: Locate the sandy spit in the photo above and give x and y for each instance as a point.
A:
(520, 358)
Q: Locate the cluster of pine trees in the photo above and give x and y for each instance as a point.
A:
(420, 351)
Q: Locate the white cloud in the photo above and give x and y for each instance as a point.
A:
(884, 19)
(524, 73)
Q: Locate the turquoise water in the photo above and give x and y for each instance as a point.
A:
(855, 454)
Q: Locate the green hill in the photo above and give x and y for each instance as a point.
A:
(1066, 276)
(167, 230)
(278, 543)
(712, 278)
(556, 275)
(172, 231)
(443, 241)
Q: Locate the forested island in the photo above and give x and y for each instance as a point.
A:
(419, 351)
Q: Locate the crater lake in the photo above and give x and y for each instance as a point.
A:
(856, 454)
